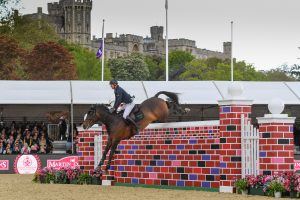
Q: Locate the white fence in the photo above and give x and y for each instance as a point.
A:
(250, 148)
(97, 149)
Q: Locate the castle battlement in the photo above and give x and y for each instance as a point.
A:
(182, 42)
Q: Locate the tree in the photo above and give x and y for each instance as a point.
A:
(87, 66)
(130, 68)
(50, 61)
(295, 71)
(28, 31)
(6, 8)
(156, 68)
(11, 55)
(177, 62)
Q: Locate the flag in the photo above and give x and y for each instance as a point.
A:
(99, 51)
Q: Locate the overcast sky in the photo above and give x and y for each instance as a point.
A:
(266, 32)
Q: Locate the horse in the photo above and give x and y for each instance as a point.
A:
(153, 109)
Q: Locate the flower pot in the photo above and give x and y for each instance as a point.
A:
(42, 179)
(277, 194)
(293, 194)
(51, 181)
(96, 181)
(256, 191)
(244, 192)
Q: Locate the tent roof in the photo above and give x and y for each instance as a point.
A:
(190, 92)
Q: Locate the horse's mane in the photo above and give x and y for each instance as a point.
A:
(171, 95)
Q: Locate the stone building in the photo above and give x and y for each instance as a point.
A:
(72, 22)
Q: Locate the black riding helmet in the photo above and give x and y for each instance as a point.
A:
(112, 82)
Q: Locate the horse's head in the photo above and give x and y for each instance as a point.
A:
(94, 115)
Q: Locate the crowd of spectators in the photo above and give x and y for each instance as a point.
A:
(25, 138)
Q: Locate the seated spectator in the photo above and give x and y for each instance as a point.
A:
(25, 149)
(2, 148)
(10, 140)
(8, 149)
(34, 148)
(3, 138)
(28, 139)
(43, 143)
(18, 144)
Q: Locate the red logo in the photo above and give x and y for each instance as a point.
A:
(70, 161)
(4, 164)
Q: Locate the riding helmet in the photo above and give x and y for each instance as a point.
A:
(112, 82)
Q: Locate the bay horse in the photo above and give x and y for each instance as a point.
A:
(153, 109)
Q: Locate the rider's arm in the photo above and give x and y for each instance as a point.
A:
(118, 101)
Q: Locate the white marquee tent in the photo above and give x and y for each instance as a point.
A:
(190, 92)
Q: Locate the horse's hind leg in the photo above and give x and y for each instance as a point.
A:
(108, 145)
(112, 152)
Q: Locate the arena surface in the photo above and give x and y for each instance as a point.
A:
(21, 187)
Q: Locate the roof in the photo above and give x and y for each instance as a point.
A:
(190, 92)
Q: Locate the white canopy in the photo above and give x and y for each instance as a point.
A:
(190, 92)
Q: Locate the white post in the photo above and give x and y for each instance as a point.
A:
(167, 43)
(103, 51)
(231, 51)
(72, 117)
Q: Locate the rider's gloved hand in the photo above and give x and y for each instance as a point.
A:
(112, 110)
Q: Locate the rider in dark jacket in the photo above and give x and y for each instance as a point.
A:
(121, 96)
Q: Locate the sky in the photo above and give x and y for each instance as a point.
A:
(266, 33)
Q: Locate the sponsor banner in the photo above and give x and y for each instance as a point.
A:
(296, 165)
(4, 164)
(27, 164)
(70, 161)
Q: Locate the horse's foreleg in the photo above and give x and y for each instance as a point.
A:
(112, 152)
(108, 145)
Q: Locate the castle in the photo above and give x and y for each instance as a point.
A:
(72, 22)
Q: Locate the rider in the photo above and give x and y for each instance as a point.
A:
(121, 96)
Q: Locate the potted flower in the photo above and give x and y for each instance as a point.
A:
(61, 176)
(256, 185)
(39, 176)
(275, 188)
(73, 175)
(50, 175)
(242, 185)
(290, 183)
(84, 178)
(96, 176)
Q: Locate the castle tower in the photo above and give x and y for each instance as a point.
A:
(73, 17)
(227, 49)
(157, 32)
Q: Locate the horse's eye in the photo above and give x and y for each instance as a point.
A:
(85, 116)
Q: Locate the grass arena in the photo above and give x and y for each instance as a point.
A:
(14, 186)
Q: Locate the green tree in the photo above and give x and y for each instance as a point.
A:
(278, 74)
(29, 32)
(88, 67)
(130, 68)
(50, 61)
(156, 68)
(177, 62)
(295, 71)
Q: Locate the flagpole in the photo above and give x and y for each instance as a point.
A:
(231, 51)
(103, 51)
(167, 43)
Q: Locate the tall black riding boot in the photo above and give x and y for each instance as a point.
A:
(133, 122)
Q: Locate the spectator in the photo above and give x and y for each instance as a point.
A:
(18, 144)
(2, 149)
(43, 143)
(25, 149)
(10, 140)
(8, 149)
(28, 139)
(3, 138)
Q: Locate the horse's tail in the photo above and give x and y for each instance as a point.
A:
(171, 95)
